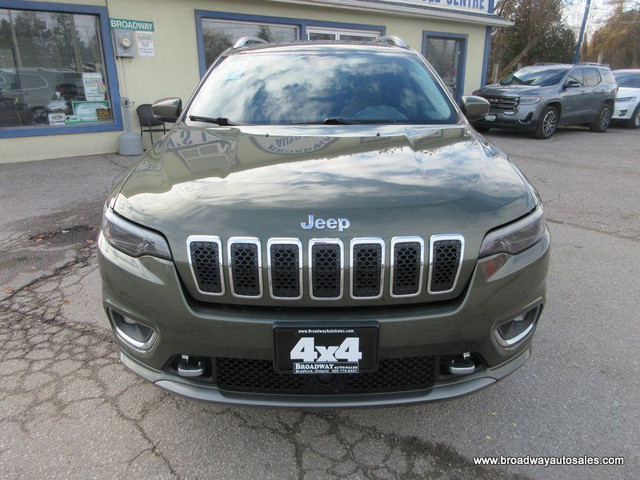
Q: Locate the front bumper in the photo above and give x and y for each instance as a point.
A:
(524, 118)
(623, 111)
(149, 291)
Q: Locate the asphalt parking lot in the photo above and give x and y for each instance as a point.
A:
(69, 409)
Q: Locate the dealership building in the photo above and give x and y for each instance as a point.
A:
(67, 67)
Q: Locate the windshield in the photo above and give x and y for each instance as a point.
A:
(276, 88)
(540, 76)
(627, 79)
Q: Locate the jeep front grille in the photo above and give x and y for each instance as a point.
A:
(205, 258)
(285, 268)
(326, 269)
(445, 260)
(245, 267)
(367, 267)
(367, 259)
(407, 264)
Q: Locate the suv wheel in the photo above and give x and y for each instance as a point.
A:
(602, 120)
(547, 124)
(634, 121)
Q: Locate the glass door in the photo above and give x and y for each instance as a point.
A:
(447, 56)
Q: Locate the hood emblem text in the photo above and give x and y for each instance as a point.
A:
(331, 223)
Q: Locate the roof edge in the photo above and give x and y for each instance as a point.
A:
(396, 9)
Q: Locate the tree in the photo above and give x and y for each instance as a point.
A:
(264, 32)
(539, 34)
(215, 42)
(617, 42)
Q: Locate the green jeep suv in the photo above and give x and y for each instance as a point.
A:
(323, 228)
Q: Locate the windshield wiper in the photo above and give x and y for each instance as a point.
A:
(349, 121)
(222, 121)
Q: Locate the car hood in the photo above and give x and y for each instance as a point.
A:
(266, 181)
(627, 92)
(512, 90)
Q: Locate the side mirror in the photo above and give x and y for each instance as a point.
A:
(572, 84)
(168, 109)
(474, 108)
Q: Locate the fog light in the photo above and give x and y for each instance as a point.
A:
(516, 329)
(133, 333)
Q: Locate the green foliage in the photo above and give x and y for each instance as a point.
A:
(264, 32)
(617, 43)
(215, 42)
(539, 34)
(48, 40)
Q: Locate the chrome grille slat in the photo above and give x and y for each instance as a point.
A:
(245, 267)
(367, 268)
(205, 261)
(326, 263)
(446, 253)
(407, 266)
(503, 104)
(326, 268)
(284, 262)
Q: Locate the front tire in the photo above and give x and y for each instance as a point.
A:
(547, 124)
(602, 120)
(634, 121)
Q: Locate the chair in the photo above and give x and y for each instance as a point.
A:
(148, 120)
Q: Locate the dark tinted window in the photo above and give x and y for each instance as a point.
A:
(309, 87)
(575, 75)
(541, 76)
(591, 77)
(628, 79)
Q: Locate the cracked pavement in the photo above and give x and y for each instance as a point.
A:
(69, 409)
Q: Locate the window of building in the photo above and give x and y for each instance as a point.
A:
(341, 34)
(218, 35)
(218, 31)
(446, 54)
(52, 70)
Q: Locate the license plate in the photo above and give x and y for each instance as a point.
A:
(330, 350)
(490, 118)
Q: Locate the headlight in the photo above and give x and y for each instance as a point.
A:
(529, 100)
(625, 99)
(132, 239)
(515, 237)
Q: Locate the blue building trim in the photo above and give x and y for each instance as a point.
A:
(463, 54)
(109, 59)
(492, 6)
(301, 23)
(485, 57)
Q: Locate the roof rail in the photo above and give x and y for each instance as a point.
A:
(390, 40)
(244, 41)
(596, 64)
(549, 63)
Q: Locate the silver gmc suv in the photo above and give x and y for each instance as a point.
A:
(542, 97)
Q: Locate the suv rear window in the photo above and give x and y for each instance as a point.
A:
(268, 88)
